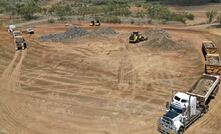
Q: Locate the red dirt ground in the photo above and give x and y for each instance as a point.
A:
(98, 85)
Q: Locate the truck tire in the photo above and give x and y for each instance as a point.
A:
(214, 92)
(206, 109)
(25, 45)
(206, 70)
(181, 130)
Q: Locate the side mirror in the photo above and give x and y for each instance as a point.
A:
(167, 105)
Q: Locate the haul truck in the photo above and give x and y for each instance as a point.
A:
(186, 108)
(20, 43)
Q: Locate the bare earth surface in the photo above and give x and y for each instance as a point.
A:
(98, 85)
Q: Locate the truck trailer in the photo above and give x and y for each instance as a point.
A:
(208, 47)
(212, 64)
(185, 108)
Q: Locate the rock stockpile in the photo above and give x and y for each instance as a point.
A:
(159, 39)
(74, 32)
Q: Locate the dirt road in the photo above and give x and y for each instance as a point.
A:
(97, 85)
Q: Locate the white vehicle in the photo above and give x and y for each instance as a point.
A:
(11, 28)
(186, 108)
(30, 31)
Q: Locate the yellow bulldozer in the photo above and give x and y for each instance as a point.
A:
(95, 23)
(135, 37)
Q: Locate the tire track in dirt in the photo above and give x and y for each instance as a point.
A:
(5, 81)
(11, 104)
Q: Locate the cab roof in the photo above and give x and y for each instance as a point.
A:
(182, 95)
(17, 32)
(18, 37)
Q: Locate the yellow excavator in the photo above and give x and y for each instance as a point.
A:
(135, 37)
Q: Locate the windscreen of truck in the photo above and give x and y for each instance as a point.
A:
(177, 98)
(176, 109)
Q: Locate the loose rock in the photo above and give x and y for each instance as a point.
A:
(72, 32)
(159, 39)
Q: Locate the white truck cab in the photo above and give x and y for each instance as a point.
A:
(182, 107)
(184, 101)
(11, 28)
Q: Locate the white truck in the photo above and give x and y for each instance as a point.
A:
(186, 108)
(11, 28)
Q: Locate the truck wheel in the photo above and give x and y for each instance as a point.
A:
(181, 130)
(206, 109)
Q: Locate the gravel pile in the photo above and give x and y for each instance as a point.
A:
(209, 45)
(74, 32)
(202, 86)
(71, 33)
(213, 60)
(159, 39)
(103, 31)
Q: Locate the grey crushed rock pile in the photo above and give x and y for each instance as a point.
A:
(209, 45)
(74, 32)
(213, 60)
(202, 86)
(159, 39)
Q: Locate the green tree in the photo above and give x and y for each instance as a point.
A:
(159, 12)
(8, 7)
(210, 15)
(61, 10)
(219, 19)
(28, 9)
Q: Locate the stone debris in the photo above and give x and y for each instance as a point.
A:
(159, 39)
(213, 60)
(74, 32)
